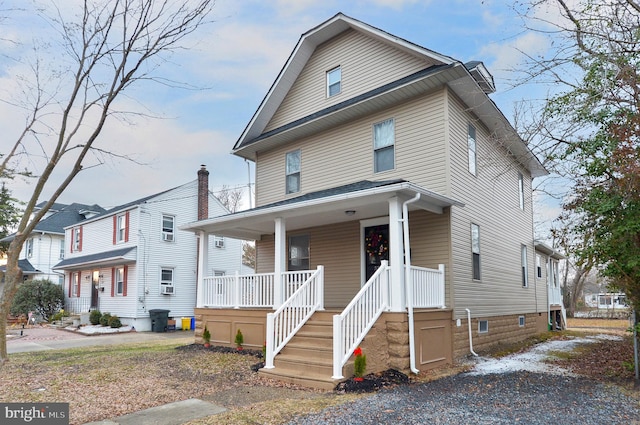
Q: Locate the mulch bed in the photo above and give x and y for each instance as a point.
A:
(371, 382)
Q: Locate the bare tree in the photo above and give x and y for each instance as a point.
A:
(109, 46)
(230, 198)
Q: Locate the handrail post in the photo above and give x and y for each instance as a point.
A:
(320, 287)
(236, 295)
(337, 347)
(268, 361)
(442, 285)
(385, 285)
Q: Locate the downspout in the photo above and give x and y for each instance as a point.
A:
(470, 337)
(549, 289)
(407, 281)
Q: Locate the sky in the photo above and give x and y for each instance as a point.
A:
(231, 63)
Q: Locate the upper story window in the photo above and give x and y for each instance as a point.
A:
(29, 248)
(334, 81)
(298, 252)
(121, 228)
(166, 280)
(76, 239)
(168, 228)
(538, 266)
(383, 145)
(471, 144)
(475, 250)
(293, 171)
(523, 254)
(61, 254)
(521, 190)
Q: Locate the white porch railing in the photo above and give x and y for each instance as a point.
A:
(283, 324)
(555, 295)
(351, 326)
(428, 287)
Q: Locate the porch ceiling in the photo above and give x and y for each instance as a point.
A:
(327, 210)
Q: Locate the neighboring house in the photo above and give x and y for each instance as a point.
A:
(45, 246)
(133, 258)
(547, 270)
(390, 192)
(607, 301)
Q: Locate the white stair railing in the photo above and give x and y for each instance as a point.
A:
(283, 324)
(351, 326)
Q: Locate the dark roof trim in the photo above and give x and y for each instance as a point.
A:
(95, 259)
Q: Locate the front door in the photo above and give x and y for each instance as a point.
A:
(95, 282)
(376, 247)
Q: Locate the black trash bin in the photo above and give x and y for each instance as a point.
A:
(159, 319)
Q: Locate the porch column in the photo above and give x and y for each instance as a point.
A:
(396, 261)
(203, 265)
(280, 258)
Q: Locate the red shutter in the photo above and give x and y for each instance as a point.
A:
(80, 243)
(124, 280)
(72, 240)
(78, 284)
(113, 281)
(115, 228)
(126, 227)
(70, 278)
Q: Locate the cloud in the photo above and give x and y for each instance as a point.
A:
(507, 56)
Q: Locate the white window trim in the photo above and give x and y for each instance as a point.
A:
(167, 283)
(339, 82)
(473, 252)
(521, 321)
(121, 228)
(219, 242)
(119, 274)
(521, 190)
(168, 236)
(28, 247)
(287, 174)
(524, 266)
(539, 274)
(480, 331)
(375, 150)
(472, 154)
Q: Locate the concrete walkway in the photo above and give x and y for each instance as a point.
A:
(169, 414)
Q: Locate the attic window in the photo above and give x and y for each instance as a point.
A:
(334, 80)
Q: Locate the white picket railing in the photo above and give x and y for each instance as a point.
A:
(283, 324)
(235, 291)
(77, 305)
(428, 287)
(351, 326)
(555, 295)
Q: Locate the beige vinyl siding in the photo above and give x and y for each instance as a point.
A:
(366, 63)
(335, 247)
(542, 282)
(491, 200)
(345, 153)
(430, 241)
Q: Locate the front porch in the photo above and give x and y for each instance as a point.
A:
(308, 345)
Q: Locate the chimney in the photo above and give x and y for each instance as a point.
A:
(203, 193)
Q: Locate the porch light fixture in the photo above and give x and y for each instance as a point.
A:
(350, 212)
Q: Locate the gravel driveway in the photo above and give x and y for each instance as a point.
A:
(521, 388)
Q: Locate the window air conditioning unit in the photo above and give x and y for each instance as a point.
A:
(167, 237)
(167, 290)
(219, 243)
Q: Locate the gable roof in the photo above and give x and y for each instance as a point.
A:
(471, 82)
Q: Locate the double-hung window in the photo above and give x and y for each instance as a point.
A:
(61, 254)
(521, 190)
(121, 228)
(471, 144)
(538, 266)
(383, 145)
(166, 280)
(76, 239)
(119, 280)
(334, 81)
(29, 247)
(523, 260)
(168, 228)
(75, 284)
(475, 250)
(293, 171)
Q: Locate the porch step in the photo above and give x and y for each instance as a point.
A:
(308, 358)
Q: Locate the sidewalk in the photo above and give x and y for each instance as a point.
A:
(41, 338)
